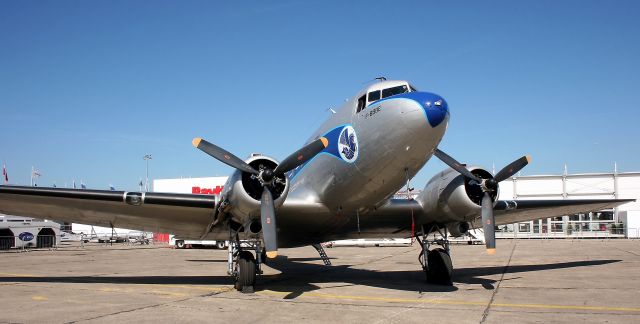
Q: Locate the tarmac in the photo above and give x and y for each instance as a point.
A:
(526, 281)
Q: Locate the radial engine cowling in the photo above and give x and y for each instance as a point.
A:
(244, 190)
(450, 197)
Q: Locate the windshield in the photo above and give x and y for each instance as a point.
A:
(394, 91)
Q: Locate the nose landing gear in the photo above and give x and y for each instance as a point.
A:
(436, 263)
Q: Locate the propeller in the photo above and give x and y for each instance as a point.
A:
(488, 186)
(266, 177)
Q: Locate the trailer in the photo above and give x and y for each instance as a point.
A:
(186, 244)
(22, 232)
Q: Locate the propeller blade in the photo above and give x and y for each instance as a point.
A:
(488, 222)
(301, 156)
(268, 219)
(222, 155)
(451, 162)
(512, 168)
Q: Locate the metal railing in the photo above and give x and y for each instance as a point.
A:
(569, 230)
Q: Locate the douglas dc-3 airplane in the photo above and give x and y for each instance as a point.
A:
(338, 186)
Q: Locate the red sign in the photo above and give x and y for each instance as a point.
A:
(207, 191)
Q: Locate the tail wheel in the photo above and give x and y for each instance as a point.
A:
(246, 276)
(440, 268)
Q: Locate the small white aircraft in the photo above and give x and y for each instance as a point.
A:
(338, 186)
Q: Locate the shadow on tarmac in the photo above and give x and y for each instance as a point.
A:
(296, 275)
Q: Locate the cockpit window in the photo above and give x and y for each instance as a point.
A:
(361, 103)
(374, 95)
(394, 91)
(412, 88)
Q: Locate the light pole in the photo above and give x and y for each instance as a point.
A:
(147, 157)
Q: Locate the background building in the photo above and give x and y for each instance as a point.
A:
(621, 221)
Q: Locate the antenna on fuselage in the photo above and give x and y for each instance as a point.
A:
(379, 79)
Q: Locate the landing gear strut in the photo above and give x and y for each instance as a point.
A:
(436, 263)
(242, 265)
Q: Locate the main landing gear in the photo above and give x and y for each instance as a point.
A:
(242, 265)
(436, 263)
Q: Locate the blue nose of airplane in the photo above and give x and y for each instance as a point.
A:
(437, 110)
(435, 107)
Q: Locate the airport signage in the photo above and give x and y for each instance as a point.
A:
(207, 191)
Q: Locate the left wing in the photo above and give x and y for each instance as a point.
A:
(185, 215)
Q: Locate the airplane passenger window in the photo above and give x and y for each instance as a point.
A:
(374, 95)
(361, 103)
(394, 91)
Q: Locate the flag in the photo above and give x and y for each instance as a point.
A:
(4, 173)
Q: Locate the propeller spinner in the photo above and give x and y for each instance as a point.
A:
(266, 177)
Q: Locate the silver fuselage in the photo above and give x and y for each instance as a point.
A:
(396, 136)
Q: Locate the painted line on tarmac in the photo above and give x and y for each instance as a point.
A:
(91, 280)
(18, 275)
(452, 302)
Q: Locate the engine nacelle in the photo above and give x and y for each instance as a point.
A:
(244, 190)
(449, 196)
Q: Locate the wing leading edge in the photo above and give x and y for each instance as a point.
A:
(185, 215)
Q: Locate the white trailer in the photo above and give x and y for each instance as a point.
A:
(185, 244)
(21, 232)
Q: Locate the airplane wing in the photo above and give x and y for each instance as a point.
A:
(513, 211)
(505, 211)
(185, 215)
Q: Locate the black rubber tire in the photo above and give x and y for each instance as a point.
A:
(220, 245)
(246, 271)
(180, 244)
(440, 268)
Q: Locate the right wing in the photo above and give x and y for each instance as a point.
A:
(514, 211)
(185, 215)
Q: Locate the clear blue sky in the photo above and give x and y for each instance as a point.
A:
(89, 87)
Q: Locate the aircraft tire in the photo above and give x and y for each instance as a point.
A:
(246, 277)
(220, 245)
(440, 268)
(180, 244)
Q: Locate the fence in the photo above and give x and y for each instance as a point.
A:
(569, 230)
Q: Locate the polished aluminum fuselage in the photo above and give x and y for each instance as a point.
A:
(395, 140)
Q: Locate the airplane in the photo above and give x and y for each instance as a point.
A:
(339, 185)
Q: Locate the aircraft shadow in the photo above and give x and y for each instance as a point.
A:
(296, 277)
